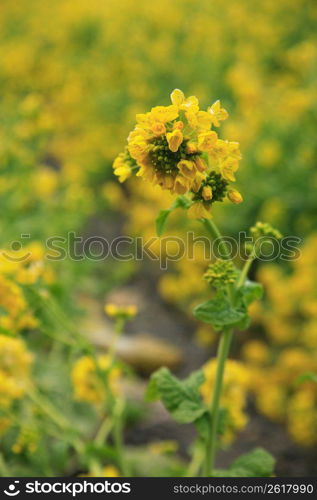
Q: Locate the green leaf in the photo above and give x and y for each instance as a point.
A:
(188, 411)
(202, 424)
(219, 313)
(180, 397)
(161, 221)
(251, 291)
(307, 377)
(256, 463)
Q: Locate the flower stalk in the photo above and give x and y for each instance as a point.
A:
(211, 443)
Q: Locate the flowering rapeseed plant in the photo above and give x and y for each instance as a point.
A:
(174, 147)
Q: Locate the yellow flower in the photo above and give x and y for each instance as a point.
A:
(147, 173)
(177, 97)
(198, 120)
(181, 184)
(138, 148)
(87, 384)
(200, 164)
(164, 113)
(122, 166)
(196, 184)
(158, 128)
(174, 140)
(165, 181)
(171, 153)
(191, 148)
(187, 168)
(179, 100)
(204, 120)
(227, 169)
(190, 104)
(198, 211)
(234, 196)
(123, 173)
(206, 140)
(178, 125)
(207, 193)
(114, 311)
(217, 113)
(15, 364)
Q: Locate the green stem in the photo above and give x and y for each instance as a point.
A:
(211, 446)
(48, 409)
(117, 437)
(245, 269)
(104, 430)
(198, 456)
(57, 418)
(215, 233)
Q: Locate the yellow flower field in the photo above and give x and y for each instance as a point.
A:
(130, 132)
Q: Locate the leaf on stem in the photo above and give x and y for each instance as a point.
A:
(221, 314)
(251, 291)
(256, 463)
(180, 397)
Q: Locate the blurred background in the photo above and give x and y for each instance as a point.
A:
(73, 75)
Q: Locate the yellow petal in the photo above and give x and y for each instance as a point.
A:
(174, 140)
(187, 168)
(177, 97)
(207, 193)
(198, 211)
(207, 140)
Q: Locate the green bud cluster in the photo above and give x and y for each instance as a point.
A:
(163, 159)
(264, 229)
(218, 186)
(221, 273)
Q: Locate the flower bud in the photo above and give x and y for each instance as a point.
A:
(234, 196)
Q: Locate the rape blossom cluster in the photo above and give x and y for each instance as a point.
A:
(176, 147)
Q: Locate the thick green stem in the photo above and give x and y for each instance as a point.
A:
(223, 350)
(211, 446)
